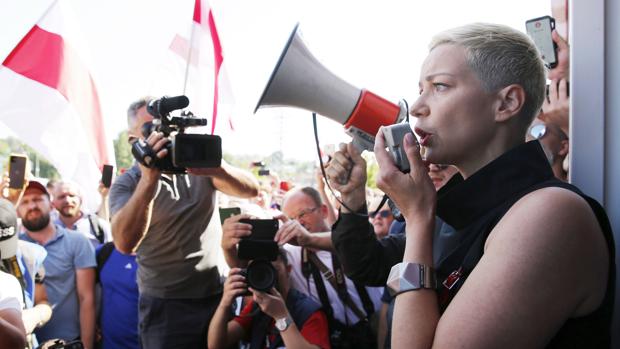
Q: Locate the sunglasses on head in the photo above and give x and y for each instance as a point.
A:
(382, 214)
(538, 131)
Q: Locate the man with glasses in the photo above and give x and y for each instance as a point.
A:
(555, 144)
(314, 272)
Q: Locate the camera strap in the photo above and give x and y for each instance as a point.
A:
(96, 228)
(331, 277)
(312, 269)
(361, 290)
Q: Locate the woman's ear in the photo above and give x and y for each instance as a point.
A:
(510, 102)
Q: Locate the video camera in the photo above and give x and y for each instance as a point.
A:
(260, 249)
(184, 150)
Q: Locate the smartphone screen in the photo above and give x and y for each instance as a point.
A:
(106, 175)
(539, 29)
(17, 171)
(228, 212)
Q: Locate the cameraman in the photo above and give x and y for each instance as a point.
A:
(161, 217)
(299, 321)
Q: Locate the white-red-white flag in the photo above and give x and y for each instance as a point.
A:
(205, 80)
(50, 101)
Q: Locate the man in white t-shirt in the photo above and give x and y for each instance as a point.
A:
(12, 332)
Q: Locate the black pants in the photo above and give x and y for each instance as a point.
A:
(175, 323)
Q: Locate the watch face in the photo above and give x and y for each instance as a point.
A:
(282, 324)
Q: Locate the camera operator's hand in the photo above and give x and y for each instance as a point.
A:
(555, 109)
(270, 303)
(346, 173)
(234, 286)
(156, 141)
(561, 70)
(292, 232)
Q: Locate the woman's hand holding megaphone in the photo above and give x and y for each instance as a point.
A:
(346, 173)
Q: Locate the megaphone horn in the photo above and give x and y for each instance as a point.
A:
(300, 80)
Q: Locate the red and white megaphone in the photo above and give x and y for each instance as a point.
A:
(300, 80)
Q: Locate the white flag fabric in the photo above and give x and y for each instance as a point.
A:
(50, 101)
(205, 80)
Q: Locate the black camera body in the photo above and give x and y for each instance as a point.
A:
(184, 150)
(260, 249)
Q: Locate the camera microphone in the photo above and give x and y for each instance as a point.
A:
(163, 106)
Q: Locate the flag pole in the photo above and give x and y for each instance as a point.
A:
(191, 46)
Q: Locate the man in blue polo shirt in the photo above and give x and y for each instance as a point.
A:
(69, 268)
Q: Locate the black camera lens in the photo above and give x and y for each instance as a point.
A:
(261, 275)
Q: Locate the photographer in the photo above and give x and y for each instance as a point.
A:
(162, 217)
(315, 270)
(287, 317)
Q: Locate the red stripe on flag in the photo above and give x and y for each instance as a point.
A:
(197, 13)
(218, 59)
(46, 58)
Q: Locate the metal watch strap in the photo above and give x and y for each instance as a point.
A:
(410, 277)
(284, 323)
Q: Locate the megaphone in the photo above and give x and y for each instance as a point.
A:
(300, 80)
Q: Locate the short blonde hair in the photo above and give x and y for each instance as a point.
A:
(501, 56)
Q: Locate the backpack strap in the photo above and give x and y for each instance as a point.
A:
(96, 228)
(104, 253)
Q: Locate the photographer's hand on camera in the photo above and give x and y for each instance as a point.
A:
(232, 232)
(346, 173)
(270, 303)
(292, 232)
(157, 142)
(412, 192)
(234, 286)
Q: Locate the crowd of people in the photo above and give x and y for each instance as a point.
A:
(491, 247)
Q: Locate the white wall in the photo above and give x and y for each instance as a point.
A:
(595, 108)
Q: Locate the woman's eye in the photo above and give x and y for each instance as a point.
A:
(440, 86)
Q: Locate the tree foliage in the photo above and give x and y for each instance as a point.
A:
(39, 166)
(122, 151)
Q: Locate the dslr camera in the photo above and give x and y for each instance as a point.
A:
(184, 150)
(260, 249)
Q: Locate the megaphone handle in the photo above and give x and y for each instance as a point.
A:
(361, 140)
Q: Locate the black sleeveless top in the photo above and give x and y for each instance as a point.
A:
(474, 206)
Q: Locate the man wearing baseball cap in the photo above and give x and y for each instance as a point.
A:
(69, 268)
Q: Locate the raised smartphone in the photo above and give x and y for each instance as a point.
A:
(17, 171)
(539, 29)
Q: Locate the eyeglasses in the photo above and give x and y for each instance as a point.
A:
(304, 212)
(538, 131)
(382, 214)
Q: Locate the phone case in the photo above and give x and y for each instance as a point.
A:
(540, 32)
(17, 171)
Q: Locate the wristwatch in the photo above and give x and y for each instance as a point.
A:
(410, 277)
(283, 323)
